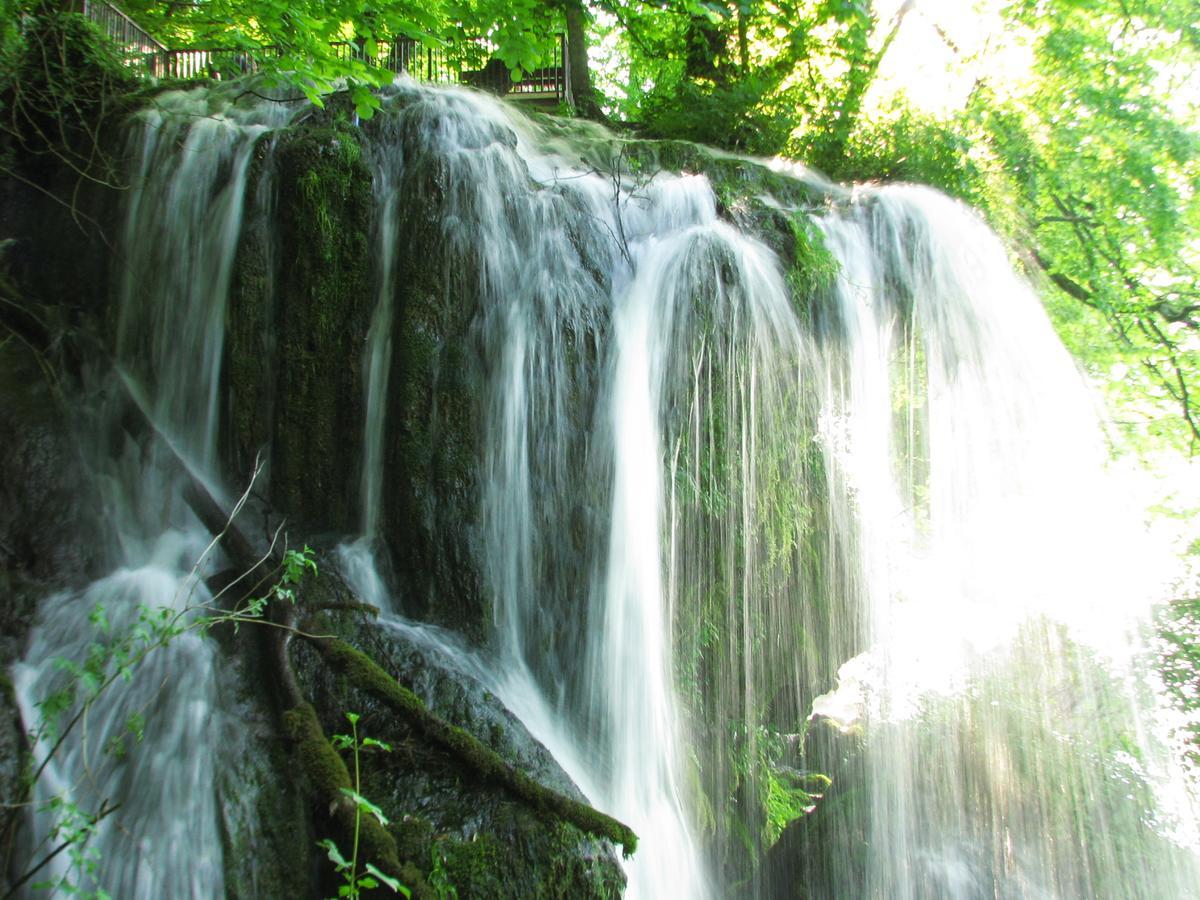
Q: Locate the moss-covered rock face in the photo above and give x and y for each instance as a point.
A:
(432, 451)
(321, 312)
(304, 289)
(456, 827)
(250, 339)
(266, 831)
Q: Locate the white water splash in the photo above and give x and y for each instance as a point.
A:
(161, 836)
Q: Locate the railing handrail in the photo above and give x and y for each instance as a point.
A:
(400, 54)
(145, 36)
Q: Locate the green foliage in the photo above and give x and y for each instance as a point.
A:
(742, 75)
(439, 878)
(59, 80)
(738, 115)
(313, 47)
(308, 40)
(73, 829)
(1178, 640)
(355, 882)
(814, 268)
(115, 657)
(787, 793)
(294, 566)
(905, 145)
(1103, 161)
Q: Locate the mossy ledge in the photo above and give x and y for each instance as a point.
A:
(367, 676)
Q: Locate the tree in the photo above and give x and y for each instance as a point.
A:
(303, 43)
(1102, 158)
(583, 92)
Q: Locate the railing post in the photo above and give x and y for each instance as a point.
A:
(564, 71)
(140, 49)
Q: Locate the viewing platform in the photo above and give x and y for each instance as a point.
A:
(472, 64)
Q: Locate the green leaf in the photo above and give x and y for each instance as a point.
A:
(335, 855)
(365, 102)
(313, 95)
(393, 883)
(136, 725)
(365, 805)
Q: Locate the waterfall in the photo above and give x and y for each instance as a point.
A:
(818, 493)
(162, 755)
(541, 311)
(708, 499)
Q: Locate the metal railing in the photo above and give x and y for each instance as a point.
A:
(139, 49)
(471, 63)
(219, 63)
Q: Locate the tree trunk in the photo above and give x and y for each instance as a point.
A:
(579, 76)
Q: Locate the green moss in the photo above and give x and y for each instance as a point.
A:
(741, 187)
(249, 334)
(433, 447)
(523, 866)
(733, 178)
(812, 269)
(484, 762)
(414, 837)
(322, 315)
(476, 869)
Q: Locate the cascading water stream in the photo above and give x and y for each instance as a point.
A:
(159, 756)
(539, 307)
(1001, 584)
(635, 626)
(377, 357)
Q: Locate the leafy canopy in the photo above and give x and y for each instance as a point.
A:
(317, 46)
(1101, 153)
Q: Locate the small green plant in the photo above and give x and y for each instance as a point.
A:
(439, 878)
(296, 564)
(353, 881)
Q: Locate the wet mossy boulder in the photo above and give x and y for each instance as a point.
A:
(432, 451)
(267, 837)
(448, 819)
(823, 855)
